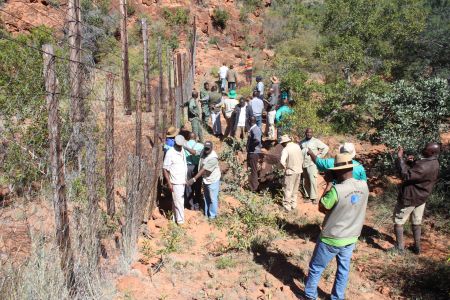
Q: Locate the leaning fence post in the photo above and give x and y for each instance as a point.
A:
(125, 62)
(148, 103)
(138, 119)
(57, 170)
(109, 153)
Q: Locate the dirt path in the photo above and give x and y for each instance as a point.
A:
(198, 269)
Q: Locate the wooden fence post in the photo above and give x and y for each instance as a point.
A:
(109, 153)
(180, 86)
(156, 132)
(174, 91)
(170, 105)
(76, 101)
(125, 69)
(57, 170)
(138, 119)
(148, 103)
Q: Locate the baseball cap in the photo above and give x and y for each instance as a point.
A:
(179, 140)
(208, 145)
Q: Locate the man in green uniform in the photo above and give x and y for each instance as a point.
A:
(204, 101)
(194, 116)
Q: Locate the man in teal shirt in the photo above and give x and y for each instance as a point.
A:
(193, 150)
(281, 117)
(344, 205)
(324, 164)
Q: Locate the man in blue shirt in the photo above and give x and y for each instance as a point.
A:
(324, 164)
(257, 106)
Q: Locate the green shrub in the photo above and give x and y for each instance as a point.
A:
(23, 107)
(225, 262)
(220, 18)
(245, 91)
(411, 114)
(131, 10)
(176, 17)
(214, 40)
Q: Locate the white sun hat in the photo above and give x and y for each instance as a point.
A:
(348, 148)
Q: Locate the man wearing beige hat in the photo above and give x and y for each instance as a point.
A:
(175, 173)
(344, 205)
(170, 138)
(292, 162)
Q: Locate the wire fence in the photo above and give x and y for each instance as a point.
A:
(37, 80)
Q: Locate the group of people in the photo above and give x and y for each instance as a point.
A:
(344, 199)
(237, 111)
(188, 166)
(344, 202)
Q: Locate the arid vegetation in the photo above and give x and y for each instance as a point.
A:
(371, 72)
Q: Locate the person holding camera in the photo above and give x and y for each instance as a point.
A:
(419, 179)
(344, 205)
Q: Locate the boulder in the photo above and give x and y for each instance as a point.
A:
(268, 53)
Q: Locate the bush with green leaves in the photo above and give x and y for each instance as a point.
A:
(220, 18)
(176, 17)
(411, 114)
(99, 28)
(23, 109)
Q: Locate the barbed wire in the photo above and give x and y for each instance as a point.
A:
(64, 58)
(86, 26)
(89, 53)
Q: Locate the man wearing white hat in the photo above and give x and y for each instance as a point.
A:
(175, 173)
(344, 205)
(292, 161)
(324, 164)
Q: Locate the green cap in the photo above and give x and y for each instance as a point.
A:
(232, 94)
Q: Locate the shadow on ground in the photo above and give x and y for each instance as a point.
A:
(278, 265)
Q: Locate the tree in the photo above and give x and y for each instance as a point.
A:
(365, 35)
(411, 114)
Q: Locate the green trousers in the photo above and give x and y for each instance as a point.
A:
(197, 128)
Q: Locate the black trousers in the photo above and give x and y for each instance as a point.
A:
(193, 192)
(252, 163)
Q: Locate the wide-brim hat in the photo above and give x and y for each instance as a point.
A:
(232, 94)
(274, 79)
(343, 161)
(171, 132)
(348, 148)
(284, 139)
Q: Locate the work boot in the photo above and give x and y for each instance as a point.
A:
(417, 231)
(398, 229)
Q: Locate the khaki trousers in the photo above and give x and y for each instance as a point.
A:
(241, 133)
(402, 213)
(291, 185)
(310, 181)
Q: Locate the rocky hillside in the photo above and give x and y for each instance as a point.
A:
(242, 34)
